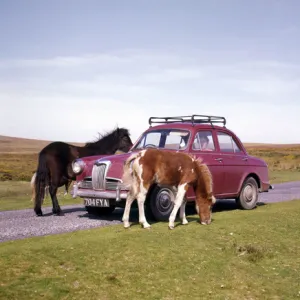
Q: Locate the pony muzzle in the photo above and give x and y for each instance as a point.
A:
(207, 222)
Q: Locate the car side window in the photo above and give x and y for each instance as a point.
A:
(203, 141)
(227, 143)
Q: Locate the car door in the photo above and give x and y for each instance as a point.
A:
(235, 161)
(211, 156)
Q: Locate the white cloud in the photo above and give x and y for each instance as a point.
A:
(72, 98)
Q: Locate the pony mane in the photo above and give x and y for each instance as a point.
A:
(112, 135)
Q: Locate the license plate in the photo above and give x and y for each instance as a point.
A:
(96, 202)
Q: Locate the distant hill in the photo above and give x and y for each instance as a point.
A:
(263, 146)
(22, 145)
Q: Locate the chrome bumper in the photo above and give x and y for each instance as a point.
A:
(265, 187)
(118, 195)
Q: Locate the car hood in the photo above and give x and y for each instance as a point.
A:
(115, 170)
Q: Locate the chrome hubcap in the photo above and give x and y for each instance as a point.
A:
(249, 193)
(164, 200)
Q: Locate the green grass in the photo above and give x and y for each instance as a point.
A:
(20, 166)
(17, 195)
(17, 166)
(241, 255)
(285, 159)
(284, 176)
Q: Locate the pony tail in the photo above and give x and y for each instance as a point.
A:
(128, 169)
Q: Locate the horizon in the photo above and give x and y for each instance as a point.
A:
(72, 69)
(83, 142)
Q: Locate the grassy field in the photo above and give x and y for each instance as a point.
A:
(18, 159)
(17, 195)
(258, 259)
(220, 261)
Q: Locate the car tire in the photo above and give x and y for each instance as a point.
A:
(100, 211)
(248, 195)
(160, 203)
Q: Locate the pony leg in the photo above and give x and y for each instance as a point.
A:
(142, 218)
(56, 208)
(33, 194)
(125, 219)
(66, 190)
(178, 203)
(67, 185)
(182, 215)
(46, 193)
(32, 184)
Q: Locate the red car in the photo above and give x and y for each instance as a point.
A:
(235, 173)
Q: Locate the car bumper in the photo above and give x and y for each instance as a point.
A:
(265, 187)
(117, 195)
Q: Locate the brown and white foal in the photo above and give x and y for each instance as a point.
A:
(144, 168)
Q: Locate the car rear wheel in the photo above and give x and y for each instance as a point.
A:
(249, 194)
(161, 203)
(100, 211)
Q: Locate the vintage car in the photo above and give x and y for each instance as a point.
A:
(236, 175)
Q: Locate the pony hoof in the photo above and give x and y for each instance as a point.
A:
(39, 213)
(171, 227)
(59, 213)
(146, 226)
(203, 223)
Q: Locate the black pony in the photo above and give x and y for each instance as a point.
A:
(55, 163)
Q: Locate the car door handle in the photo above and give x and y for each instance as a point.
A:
(245, 158)
(219, 159)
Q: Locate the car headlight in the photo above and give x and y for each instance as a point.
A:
(78, 166)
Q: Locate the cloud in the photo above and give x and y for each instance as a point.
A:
(73, 98)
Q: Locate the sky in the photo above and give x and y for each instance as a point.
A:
(71, 69)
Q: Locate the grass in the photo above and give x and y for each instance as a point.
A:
(18, 159)
(258, 259)
(284, 176)
(17, 166)
(278, 158)
(17, 195)
(284, 164)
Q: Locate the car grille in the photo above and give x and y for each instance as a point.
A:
(110, 184)
(98, 175)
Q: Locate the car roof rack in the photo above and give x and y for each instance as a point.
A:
(194, 119)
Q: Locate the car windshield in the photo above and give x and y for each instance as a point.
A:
(166, 138)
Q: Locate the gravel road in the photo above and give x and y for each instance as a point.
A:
(19, 224)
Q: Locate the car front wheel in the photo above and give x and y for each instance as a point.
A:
(161, 203)
(249, 194)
